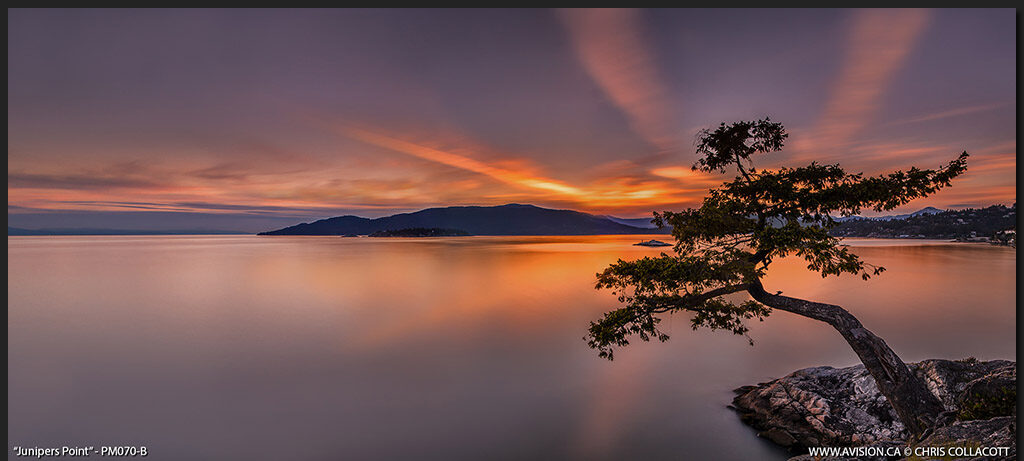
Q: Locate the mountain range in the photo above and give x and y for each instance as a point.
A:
(969, 223)
(17, 231)
(921, 212)
(518, 219)
(511, 219)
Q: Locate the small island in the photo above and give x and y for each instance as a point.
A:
(652, 243)
(421, 232)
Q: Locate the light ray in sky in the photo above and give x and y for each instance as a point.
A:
(610, 44)
(878, 44)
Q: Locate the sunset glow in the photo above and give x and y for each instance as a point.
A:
(482, 233)
(594, 110)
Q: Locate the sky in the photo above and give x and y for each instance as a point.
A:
(256, 119)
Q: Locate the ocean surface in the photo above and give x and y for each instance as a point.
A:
(328, 348)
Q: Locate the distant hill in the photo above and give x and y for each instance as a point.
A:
(643, 223)
(949, 224)
(512, 219)
(16, 231)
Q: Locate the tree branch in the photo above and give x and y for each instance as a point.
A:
(687, 301)
(916, 406)
(828, 313)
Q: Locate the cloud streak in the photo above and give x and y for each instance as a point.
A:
(878, 43)
(952, 113)
(610, 45)
(620, 191)
(460, 161)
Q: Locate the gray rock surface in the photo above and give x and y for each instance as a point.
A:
(825, 406)
(993, 432)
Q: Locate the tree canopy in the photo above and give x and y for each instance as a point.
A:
(727, 244)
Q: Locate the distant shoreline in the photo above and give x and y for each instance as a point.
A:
(367, 237)
(125, 234)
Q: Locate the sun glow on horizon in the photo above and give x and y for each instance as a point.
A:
(576, 109)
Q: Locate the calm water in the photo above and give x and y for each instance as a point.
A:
(327, 348)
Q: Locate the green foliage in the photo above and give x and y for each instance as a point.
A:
(730, 144)
(726, 245)
(718, 314)
(1002, 402)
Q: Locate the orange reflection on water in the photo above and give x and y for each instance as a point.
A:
(358, 342)
(402, 288)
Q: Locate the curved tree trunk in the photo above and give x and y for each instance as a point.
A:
(915, 405)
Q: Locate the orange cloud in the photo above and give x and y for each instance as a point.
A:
(990, 177)
(610, 45)
(636, 191)
(461, 161)
(363, 180)
(687, 175)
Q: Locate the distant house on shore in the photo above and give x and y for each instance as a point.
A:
(1005, 237)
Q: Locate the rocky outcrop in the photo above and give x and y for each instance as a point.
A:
(1000, 431)
(825, 406)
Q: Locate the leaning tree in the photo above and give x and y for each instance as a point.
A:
(726, 246)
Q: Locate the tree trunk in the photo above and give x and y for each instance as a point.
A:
(915, 405)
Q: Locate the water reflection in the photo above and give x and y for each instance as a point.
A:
(456, 348)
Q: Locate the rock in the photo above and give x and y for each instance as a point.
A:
(821, 406)
(779, 436)
(989, 396)
(948, 379)
(825, 406)
(744, 389)
(994, 432)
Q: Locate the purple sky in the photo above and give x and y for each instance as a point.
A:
(251, 119)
